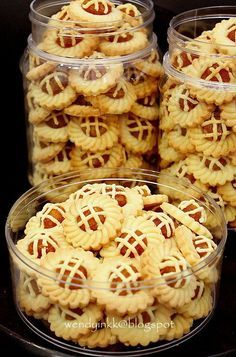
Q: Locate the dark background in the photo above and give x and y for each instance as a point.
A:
(14, 30)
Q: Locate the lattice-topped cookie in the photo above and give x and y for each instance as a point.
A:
(194, 210)
(95, 13)
(70, 273)
(54, 128)
(136, 235)
(178, 138)
(163, 222)
(117, 100)
(131, 14)
(202, 45)
(92, 221)
(137, 134)
(182, 59)
(30, 297)
(95, 78)
(39, 242)
(123, 43)
(209, 170)
(196, 248)
(45, 151)
(109, 158)
(214, 71)
(121, 278)
(129, 200)
(62, 15)
(192, 247)
(69, 42)
(142, 328)
(174, 285)
(61, 163)
(62, 320)
(54, 92)
(185, 110)
(144, 85)
(49, 218)
(213, 137)
(224, 34)
(201, 303)
(94, 133)
(146, 107)
(150, 65)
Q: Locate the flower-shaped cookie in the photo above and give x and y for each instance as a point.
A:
(117, 100)
(92, 221)
(121, 282)
(69, 273)
(137, 134)
(95, 13)
(94, 133)
(54, 92)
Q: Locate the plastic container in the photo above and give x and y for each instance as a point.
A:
(91, 20)
(97, 108)
(127, 334)
(198, 132)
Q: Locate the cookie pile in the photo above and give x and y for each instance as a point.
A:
(118, 264)
(198, 116)
(100, 110)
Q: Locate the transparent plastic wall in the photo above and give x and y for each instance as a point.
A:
(91, 77)
(198, 104)
(109, 262)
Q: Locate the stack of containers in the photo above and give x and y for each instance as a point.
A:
(91, 75)
(198, 105)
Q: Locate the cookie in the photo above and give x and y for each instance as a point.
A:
(137, 134)
(122, 293)
(124, 42)
(95, 77)
(94, 133)
(117, 100)
(69, 273)
(54, 92)
(92, 222)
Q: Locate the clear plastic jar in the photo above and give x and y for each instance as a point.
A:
(99, 298)
(91, 99)
(198, 120)
(96, 21)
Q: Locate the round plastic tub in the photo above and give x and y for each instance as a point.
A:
(102, 299)
(198, 120)
(106, 18)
